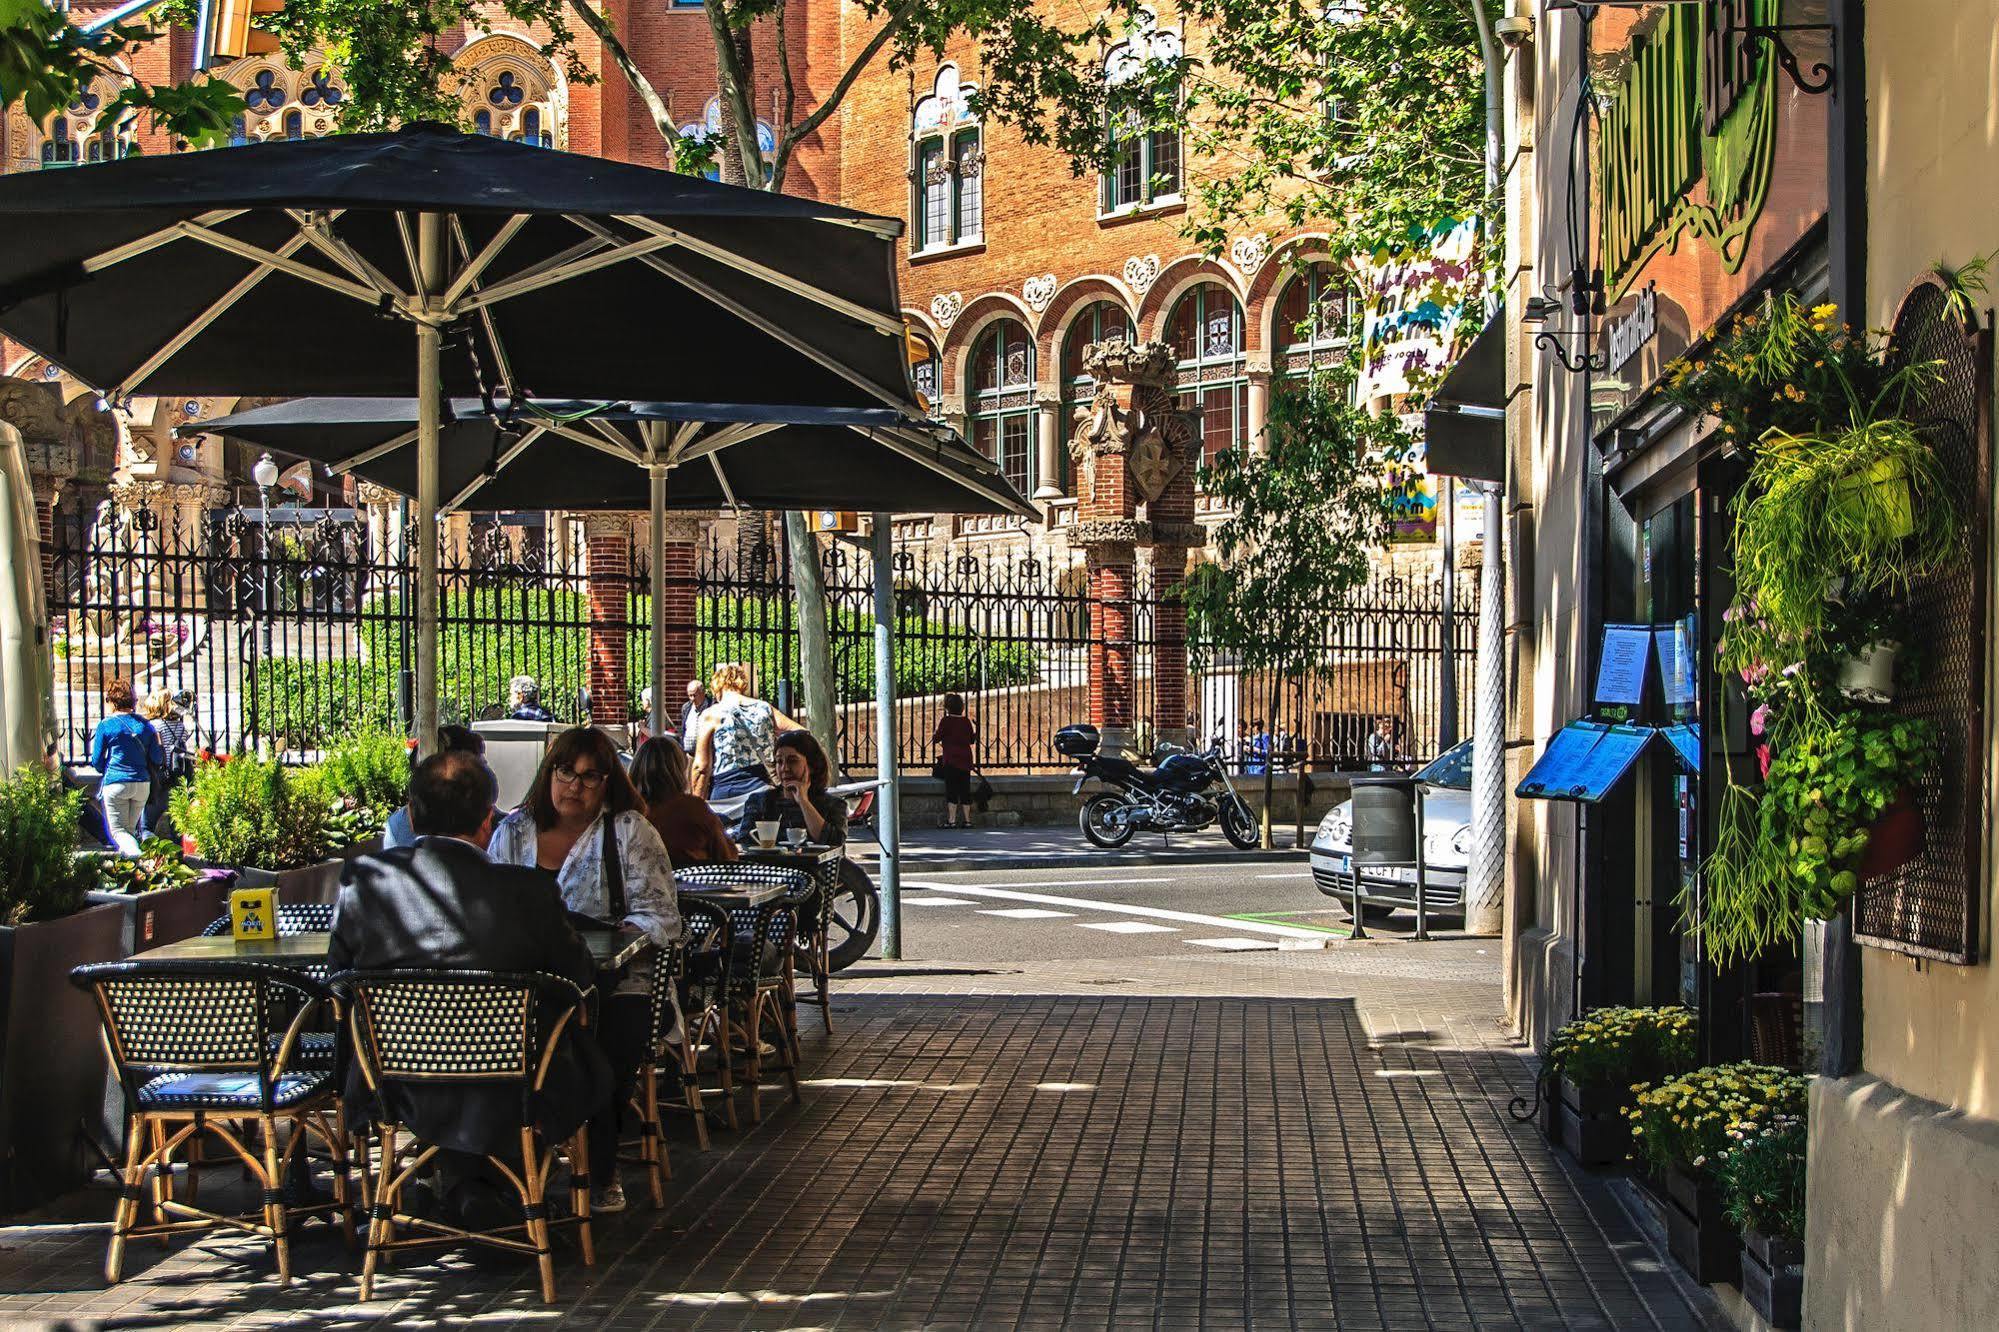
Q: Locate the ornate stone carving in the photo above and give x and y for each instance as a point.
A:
(1140, 274)
(1249, 252)
(1189, 535)
(1038, 291)
(946, 308)
(371, 495)
(1134, 416)
(58, 439)
(1110, 532)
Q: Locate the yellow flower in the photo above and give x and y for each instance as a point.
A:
(1823, 312)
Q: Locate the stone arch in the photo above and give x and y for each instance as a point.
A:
(1175, 279)
(507, 79)
(966, 327)
(283, 102)
(84, 137)
(1259, 305)
(1069, 301)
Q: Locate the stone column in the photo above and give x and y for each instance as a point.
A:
(1134, 453)
(1048, 453)
(1259, 409)
(683, 540)
(608, 549)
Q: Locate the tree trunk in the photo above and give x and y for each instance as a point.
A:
(815, 645)
(735, 75)
(655, 106)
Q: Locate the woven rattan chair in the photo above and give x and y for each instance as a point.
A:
(435, 1028)
(708, 973)
(318, 1045)
(201, 1048)
(299, 918)
(664, 1056)
(760, 997)
(813, 895)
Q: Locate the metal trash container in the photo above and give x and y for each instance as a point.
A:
(1388, 834)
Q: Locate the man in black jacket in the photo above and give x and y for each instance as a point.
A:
(442, 905)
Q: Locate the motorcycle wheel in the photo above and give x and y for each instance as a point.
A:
(1239, 827)
(856, 918)
(1098, 824)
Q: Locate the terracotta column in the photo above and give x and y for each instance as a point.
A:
(683, 537)
(1174, 533)
(608, 548)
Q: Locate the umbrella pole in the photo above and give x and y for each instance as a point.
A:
(658, 719)
(429, 404)
(888, 801)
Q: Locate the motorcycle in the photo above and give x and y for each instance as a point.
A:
(1185, 792)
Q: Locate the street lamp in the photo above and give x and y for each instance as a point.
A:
(265, 473)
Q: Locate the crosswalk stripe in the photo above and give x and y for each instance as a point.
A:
(1125, 909)
(1126, 927)
(1028, 913)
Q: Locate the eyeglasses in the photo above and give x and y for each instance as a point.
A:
(588, 778)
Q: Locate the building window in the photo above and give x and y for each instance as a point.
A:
(1145, 161)
(1317, 317)
(710, 124)
(284, 104)
(1100, 321)
(923, 374)
(1206, 333)
(948, 169)
(509, 92)
(83, 133)
(294, 124)
(1003, 400)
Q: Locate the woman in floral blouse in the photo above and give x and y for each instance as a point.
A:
(583, 822)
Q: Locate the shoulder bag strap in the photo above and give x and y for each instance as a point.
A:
(614, 868)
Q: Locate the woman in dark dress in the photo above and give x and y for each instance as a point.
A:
(800, 798)
(955, 735)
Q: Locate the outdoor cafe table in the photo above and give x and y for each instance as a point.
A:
(610, 948)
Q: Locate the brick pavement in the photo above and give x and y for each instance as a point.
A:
(1269, 1140)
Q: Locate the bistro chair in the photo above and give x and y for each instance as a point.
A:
(319, 1046)
(813, 895)
(200, 1047)
(668, 1053)
(425, 1029)
(708, 973)
(760, 996)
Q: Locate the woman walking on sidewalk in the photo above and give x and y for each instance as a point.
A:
(126, 753)
(955, 736)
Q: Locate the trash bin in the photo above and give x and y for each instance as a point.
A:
(1384, 819)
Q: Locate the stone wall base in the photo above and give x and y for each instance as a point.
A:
(1042, 802)
(1900, 1226)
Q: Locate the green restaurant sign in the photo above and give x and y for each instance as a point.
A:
(1687, 141)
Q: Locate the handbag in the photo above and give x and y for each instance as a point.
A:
(982, 791)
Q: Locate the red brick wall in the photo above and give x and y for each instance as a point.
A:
(609, 547)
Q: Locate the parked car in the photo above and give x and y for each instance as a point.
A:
(1446, 783)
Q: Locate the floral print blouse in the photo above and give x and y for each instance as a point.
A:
(650, 903)
(745, 735)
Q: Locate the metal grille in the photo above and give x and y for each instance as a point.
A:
(1929, 908)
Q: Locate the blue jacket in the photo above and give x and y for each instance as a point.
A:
(126, 749)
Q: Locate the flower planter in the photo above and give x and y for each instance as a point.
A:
(1593, 1127)
(1773, 1278)
(318, 882)
(53, 1072)
(166, 915)
(1870, 674)
(1889, 480)
(1894, 839)
(1697, 1233)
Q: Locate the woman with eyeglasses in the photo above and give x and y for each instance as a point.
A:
(584, 822)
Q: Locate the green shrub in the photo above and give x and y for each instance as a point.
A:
(41, 877)
(368, 770)
(1614, 1047)
(1686, 1121)
(1763, 1177)
(241, 811)
(159, 864)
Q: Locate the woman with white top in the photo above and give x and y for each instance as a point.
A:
(584, 823)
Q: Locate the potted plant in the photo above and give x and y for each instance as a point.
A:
(1680, 1128)
(364, 777)
(52, 1066)
(1763, 1193)
(1597, 1058)
(264, 820)
(165, 896)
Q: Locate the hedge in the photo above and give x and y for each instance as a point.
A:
(492, 635)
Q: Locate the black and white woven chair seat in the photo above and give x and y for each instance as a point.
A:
(227, 1091)
(302, 918)
(312, 1049)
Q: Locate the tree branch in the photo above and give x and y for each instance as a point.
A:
(788, 106)
(739, 119)
(794, 133)
(655, 106)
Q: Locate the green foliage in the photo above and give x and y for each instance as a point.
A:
(1614, 1047)
(1763, 1177)
(1367, 121)
(158, 865)
(41, 877)
(1304, 519)
(47, 62)
(1686, 1121)
(241, 811)
(367, 769)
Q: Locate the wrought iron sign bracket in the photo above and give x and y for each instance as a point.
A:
(1587, 362)
(1822, 75)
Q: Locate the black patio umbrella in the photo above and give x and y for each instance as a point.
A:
(643, 455)
(427, 262)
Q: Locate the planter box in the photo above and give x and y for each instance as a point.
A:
(1697, 1234)
(296, 887)
(53, 1070)
(1593, 1127)
(167, 915)
(1773, 1278)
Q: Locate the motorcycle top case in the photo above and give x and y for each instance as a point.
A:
(1182, 772)
(1077, 740)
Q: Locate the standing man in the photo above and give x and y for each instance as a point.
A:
(697, 703)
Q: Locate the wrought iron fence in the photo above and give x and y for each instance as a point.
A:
(297, 626)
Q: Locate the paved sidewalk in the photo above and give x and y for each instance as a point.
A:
(937, 850)
(1309, 1140)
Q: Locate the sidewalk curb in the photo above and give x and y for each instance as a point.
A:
(1000, 860)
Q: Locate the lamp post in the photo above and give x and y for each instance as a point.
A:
(265, 473)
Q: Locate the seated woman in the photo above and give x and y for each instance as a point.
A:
(800, 798)
(691, 831)
(583, 822)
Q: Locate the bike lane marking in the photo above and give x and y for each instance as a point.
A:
(1119, 908)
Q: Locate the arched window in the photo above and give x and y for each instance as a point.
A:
(1145, 160)
(83, 132)
(294, 124)
(1003, 400)
(482, 122)
(711, 124)
(924, 373)
(1316, 317)
(1206, 333)
(948, 174)
(1099, 321)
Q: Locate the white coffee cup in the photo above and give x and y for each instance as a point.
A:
(767, 832)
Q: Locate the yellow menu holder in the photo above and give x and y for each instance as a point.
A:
(253, 913)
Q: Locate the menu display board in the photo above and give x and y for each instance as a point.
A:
(1627, 651)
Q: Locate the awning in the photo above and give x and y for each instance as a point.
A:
(1464, 425)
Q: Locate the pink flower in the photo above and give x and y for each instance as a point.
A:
(1758, 718)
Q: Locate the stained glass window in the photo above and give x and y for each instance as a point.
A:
(1003, 401)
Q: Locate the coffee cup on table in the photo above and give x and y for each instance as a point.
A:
(766, 832)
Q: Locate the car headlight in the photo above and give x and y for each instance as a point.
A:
(1336, 829)
(1461, 843)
